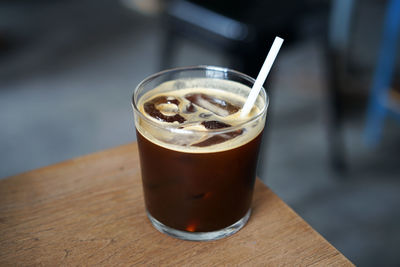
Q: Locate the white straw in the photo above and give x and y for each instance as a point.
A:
(266, 67)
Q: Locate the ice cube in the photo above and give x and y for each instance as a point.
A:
(214, 125)
(152, 106)
(219, 138)
(215, 105)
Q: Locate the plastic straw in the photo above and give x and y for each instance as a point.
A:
(266, 67)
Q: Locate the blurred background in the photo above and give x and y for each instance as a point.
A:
(331, 149)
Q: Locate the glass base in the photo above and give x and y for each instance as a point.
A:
(200, 236)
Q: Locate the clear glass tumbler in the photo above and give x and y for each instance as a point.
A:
(198, 157)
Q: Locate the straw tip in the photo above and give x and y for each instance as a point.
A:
(278, 39)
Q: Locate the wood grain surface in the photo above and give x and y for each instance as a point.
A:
(90, 211)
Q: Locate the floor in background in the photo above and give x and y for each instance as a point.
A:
(70, 95)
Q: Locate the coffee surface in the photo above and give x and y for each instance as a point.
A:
(197, 119)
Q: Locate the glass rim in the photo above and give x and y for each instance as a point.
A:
(199, 68)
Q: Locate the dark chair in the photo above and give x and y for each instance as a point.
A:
(242, 30)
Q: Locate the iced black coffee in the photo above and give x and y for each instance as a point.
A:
(198, 154)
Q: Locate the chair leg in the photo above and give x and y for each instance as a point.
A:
(335, 113)
(336, 44)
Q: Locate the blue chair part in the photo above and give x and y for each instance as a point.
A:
(378, 107)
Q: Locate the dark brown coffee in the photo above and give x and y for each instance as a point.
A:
(198, 192)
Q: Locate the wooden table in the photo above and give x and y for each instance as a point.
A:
(90, 211)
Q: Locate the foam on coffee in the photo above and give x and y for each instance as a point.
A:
(196, 109)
